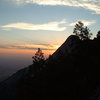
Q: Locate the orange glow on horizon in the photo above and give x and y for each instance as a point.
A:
(24, 51)
(56, 47)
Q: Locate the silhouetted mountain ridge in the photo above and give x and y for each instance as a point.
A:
(71, 73)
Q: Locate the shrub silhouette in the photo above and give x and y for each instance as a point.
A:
(81, 31)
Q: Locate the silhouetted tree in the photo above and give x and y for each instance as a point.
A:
(38, 61)
(81, 31)
(39, 56)
(98, 35)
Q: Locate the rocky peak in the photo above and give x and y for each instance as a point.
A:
(67, 47)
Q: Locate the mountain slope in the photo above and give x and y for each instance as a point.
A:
(72, 72)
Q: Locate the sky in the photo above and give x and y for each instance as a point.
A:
(30, 24)
(26, 25)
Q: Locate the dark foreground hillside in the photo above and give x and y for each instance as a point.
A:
(71, 73)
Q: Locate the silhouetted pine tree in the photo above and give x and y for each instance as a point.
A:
(39, 56)
(38, 61)
(81, 31)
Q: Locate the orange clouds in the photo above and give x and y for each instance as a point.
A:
(31, 46)
(28, 49)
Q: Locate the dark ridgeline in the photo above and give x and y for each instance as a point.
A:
(71, 73)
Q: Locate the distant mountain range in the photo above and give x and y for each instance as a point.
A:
(71, 73)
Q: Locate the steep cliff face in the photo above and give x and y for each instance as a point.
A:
(71, 73)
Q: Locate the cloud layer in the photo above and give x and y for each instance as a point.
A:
(93, 5)
(51, 26)
(86, 22)
(31, 46)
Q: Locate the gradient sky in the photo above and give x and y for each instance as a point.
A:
(29, 24)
